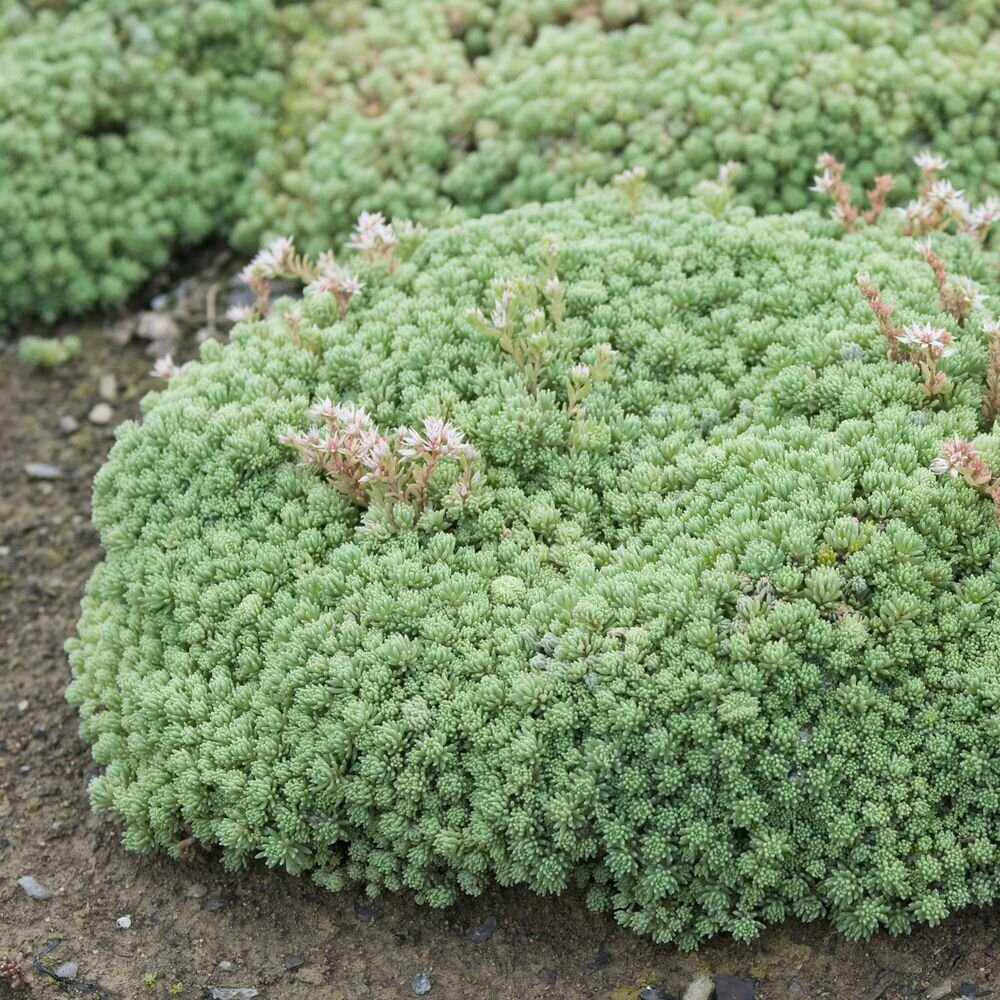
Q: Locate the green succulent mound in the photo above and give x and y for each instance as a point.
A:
(732, 656)
(420, 109)
(125, 128)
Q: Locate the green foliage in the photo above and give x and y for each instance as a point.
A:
(125, 127)
(721, 651)
(47, 352)
(415, 107)
(131, 128)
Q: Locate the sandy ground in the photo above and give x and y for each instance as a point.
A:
(278, 934)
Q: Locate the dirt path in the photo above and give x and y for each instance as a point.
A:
(282, 935)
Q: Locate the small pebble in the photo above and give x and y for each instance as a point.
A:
(733, 988)
(225, 967)
(68, 425)
(547, 976)
(601, 961)
(967, 990)
(33, 888)
(156, 326)
(887, 979)
(22, 706)
(232, 993)
(124, 922)
(653, 993)
(121, 333)
(701, 989)
(214, 904)
(421, 984)
(483, 933)
(107, 387)
(940, 991)
(196, 891)
(67, 970)
(4, 551)
(294, 962)
(363, 912)
(101, 414)
(42, 470)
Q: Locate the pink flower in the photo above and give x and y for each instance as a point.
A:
(824, 182)
(917, 212)
(165, 368)
(373, 233)
(270, 262)
(325, 410)
(932, 340)
(240, 313)
(930, 162)
(960, 458)
(440, 440)
(500, 316)
(954, 457)
(979, 221)
(631, 175)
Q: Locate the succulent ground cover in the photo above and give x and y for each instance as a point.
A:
(125, 127)
(427, 110)
(132, 129)
(609, 543)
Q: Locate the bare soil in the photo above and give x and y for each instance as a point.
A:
(282, 935)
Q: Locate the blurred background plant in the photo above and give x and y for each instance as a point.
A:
(131, 129)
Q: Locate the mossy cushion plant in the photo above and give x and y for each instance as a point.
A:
(682, 616)
(131, 129)
(126, 126)
(424, 108)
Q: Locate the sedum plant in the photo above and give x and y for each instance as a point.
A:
(714, 641)
(47, 352)
(125, 130)
(131, 129)
(428, 110)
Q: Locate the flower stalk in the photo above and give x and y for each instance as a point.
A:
(923, 345)
(991, 395)
(958, 298)
(632, 183)
(831, 181)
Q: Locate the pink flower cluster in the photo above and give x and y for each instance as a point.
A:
(960, 458)
(374, 238)
(375, 470)
(166, 368)
(925, 339)
(335, 281)
(938, 204)
(282, 260)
